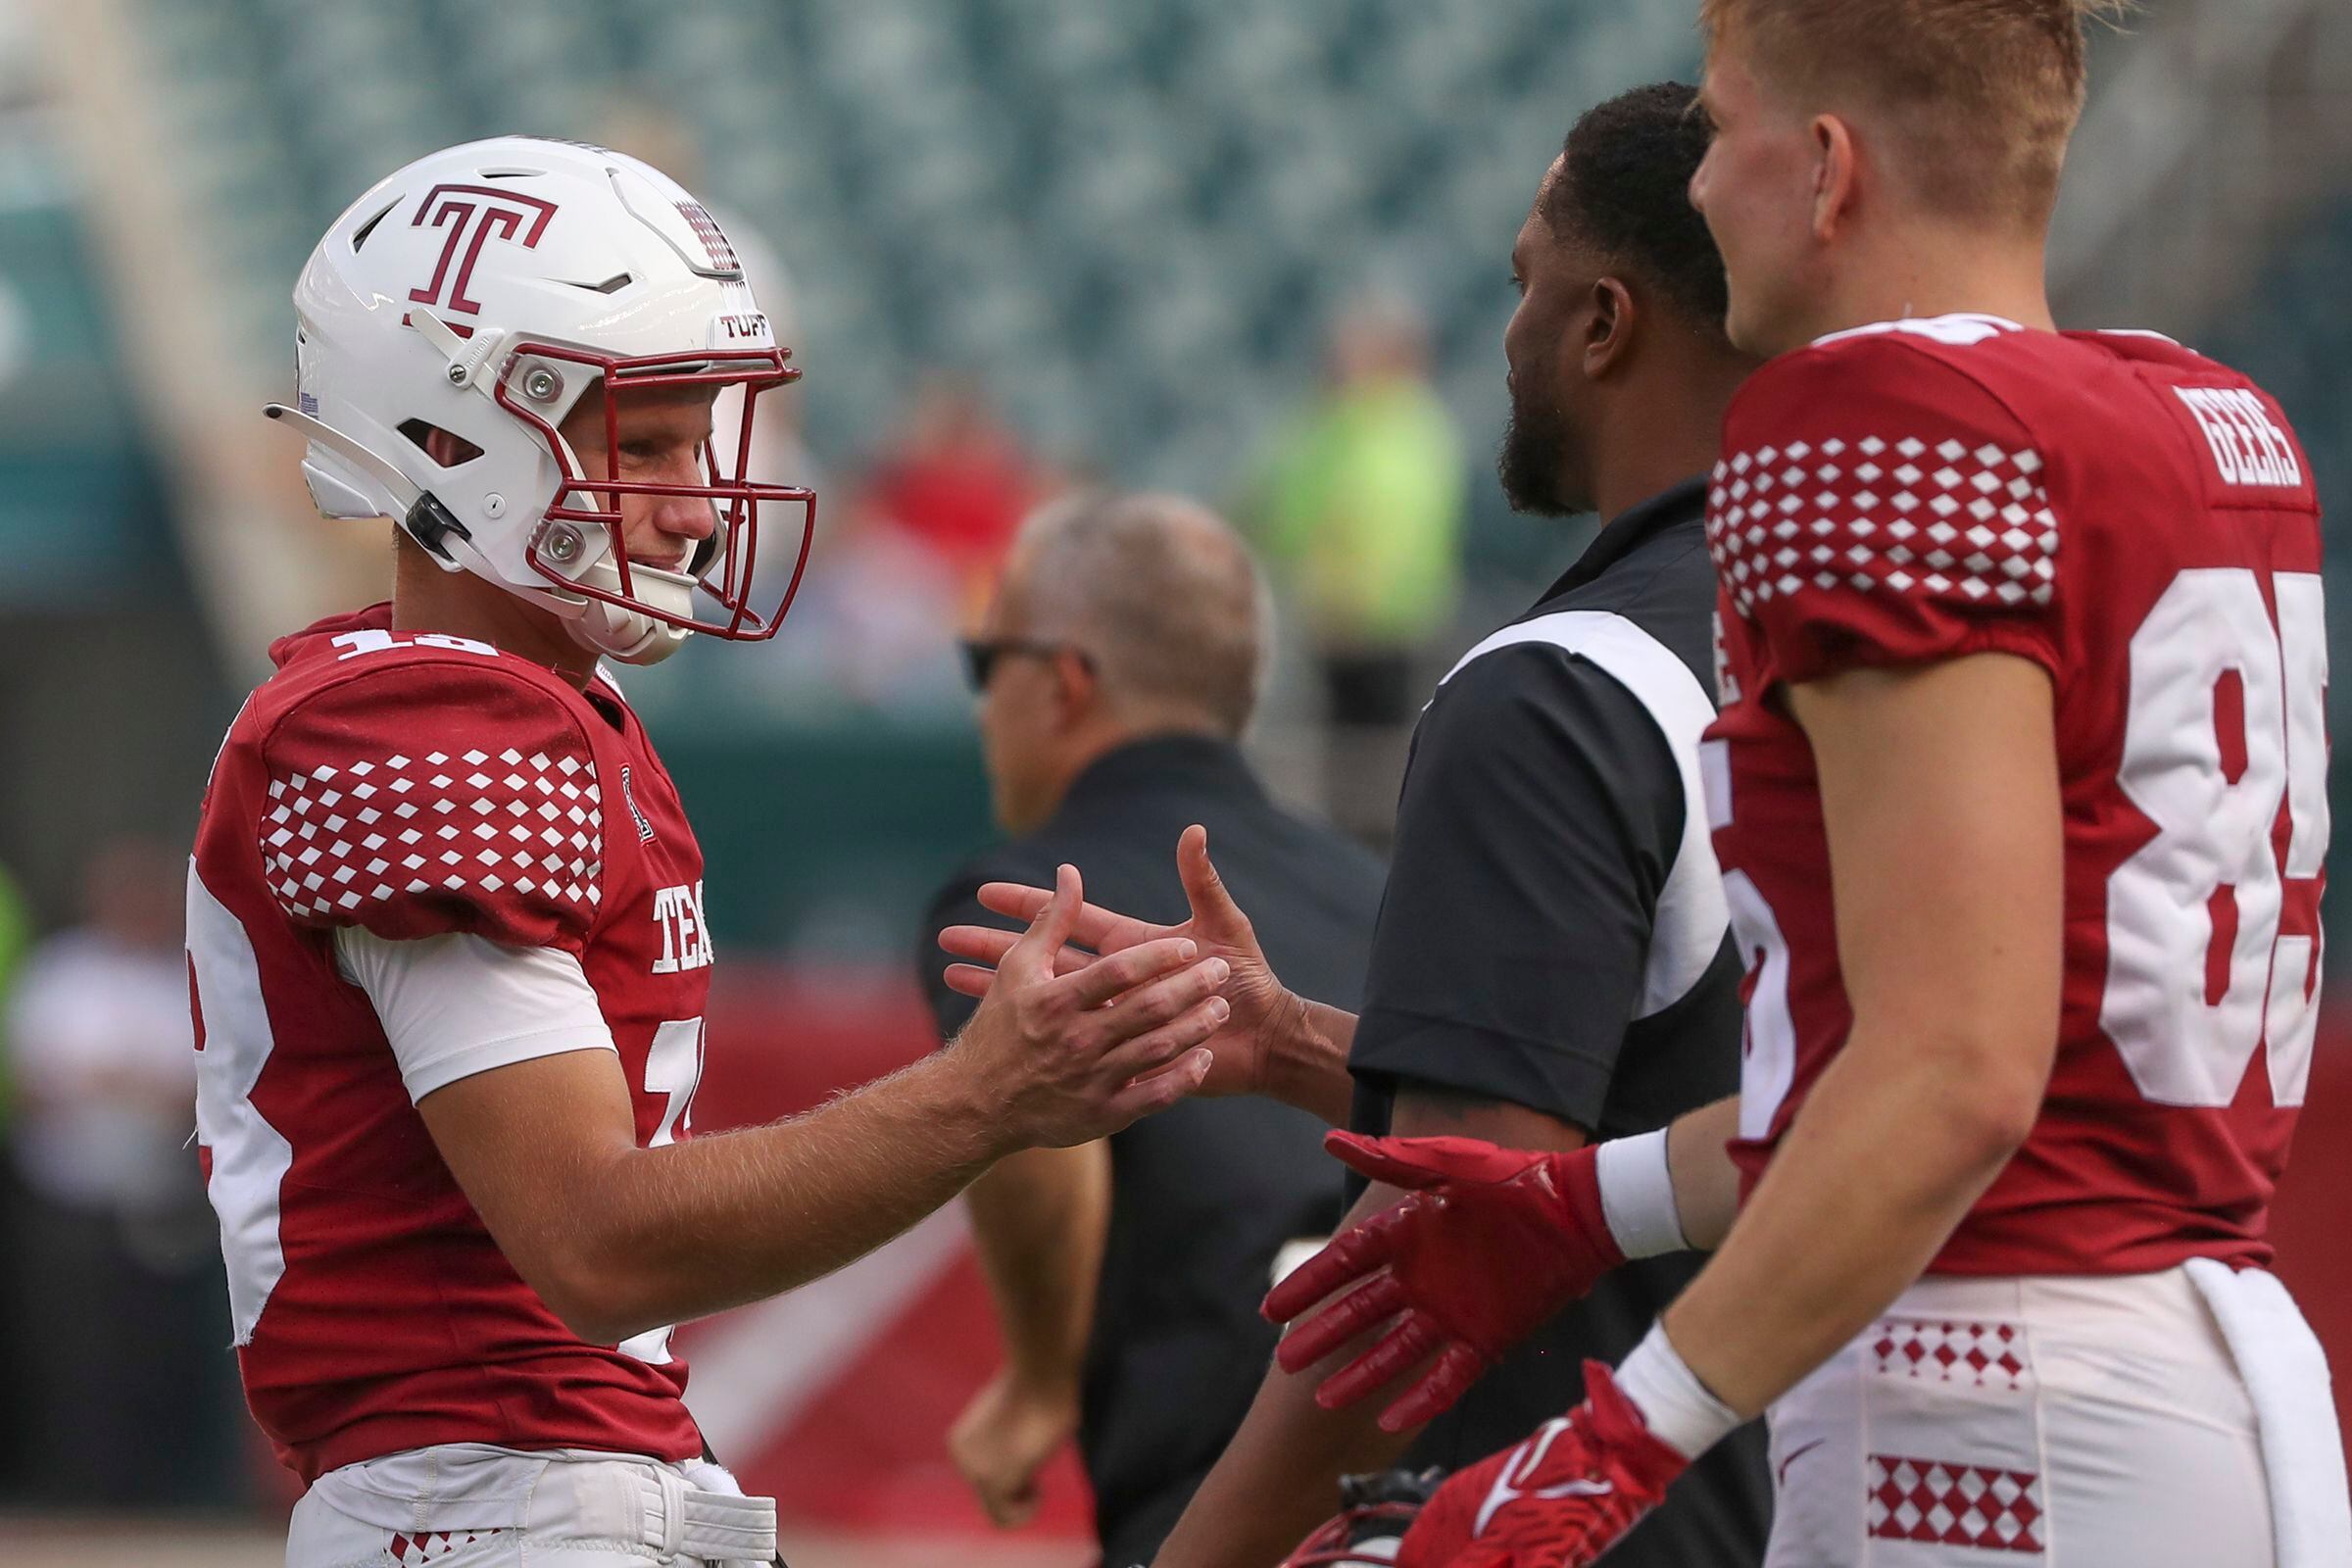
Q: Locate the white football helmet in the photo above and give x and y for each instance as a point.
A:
(484, 291)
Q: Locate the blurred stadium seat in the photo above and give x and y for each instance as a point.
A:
(1156, 203)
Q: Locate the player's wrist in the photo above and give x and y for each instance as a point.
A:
(1679, 1410)
(1045, 1389)
(1305, 1065)
(954, 1092)
(1636, 1195)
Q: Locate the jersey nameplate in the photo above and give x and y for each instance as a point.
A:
(2248, 446)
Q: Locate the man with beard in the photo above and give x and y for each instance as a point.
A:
(1550, 966)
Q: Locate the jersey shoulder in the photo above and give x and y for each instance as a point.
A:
(417, 788)
(1955, 368)
(2232, 439)
(1882, 499)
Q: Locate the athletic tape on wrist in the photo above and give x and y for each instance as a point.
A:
(1680, 1412)
(1636, 1195)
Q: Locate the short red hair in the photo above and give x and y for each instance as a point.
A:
(1977, 97)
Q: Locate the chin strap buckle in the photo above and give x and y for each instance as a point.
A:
(468, 352)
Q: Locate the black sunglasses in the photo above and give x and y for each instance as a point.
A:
(980, 656)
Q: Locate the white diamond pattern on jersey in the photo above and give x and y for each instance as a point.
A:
(342, 835)
(1948, 520)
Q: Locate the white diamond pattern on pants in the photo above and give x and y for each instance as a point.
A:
(1990, 539)
(340, 837)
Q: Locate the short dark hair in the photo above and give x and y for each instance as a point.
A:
(1623, 189)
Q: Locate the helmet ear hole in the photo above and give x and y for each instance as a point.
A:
(445, 447)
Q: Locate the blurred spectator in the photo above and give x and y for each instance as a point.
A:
(958, 480)
(1359, 503)
(115, 1282)
(1118, 667)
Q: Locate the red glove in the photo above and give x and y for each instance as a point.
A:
(1491, 1243)
(1557, 1501)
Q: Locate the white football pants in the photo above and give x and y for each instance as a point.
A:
(472, 1506)
(2100, 1422)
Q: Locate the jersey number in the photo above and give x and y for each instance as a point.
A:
(673, 1067)
(2226, 723)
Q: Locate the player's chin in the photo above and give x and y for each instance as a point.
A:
(1748, 333)
(1763, 316)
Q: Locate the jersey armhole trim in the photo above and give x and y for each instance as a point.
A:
(2018, 641)
(443, 1071)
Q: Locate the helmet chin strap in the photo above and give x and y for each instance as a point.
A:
(630, 635)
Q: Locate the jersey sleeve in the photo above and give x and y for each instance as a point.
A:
(424, 801)
(455, 1005)
(1538, 824)
(1876, 505)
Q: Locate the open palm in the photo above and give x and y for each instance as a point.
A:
(1261, 1004)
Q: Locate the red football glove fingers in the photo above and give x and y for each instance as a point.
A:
(1557, 1501)
(1414, 1341)
(1492, 1242)
(1361, 1310)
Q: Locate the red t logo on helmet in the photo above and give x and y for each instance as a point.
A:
(470, 213)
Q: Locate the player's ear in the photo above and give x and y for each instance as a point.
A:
(1609, 329)
(1836, 175)
(1077, 688)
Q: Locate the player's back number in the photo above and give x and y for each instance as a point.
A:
(2227, 722)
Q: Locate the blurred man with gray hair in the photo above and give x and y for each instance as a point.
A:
(1116, 669)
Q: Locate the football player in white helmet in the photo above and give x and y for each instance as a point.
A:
(542, 285)
(446, 934)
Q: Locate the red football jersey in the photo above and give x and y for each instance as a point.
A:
(2139, 522)
(416, 785)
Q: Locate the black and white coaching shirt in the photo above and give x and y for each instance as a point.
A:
(1553, 935)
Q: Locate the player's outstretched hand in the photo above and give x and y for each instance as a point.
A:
(1075, 1057)
(1261, 1008)
(1487, 1245)
(1557, 1501)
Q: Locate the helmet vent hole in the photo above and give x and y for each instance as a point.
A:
(611, 285)
(359, 235)
(445, 447)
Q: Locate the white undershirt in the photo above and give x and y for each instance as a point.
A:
(457, 1004)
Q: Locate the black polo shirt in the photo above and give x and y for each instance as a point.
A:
(1204, 1193)
(1554, 935)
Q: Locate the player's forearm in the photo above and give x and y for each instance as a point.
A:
(1039, 1219)
(1895, 1141)
(1306, 1060)
(1706, 1183)
(693, 1228)
(1279, 1477)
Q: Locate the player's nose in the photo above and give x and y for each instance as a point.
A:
(693, 518)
